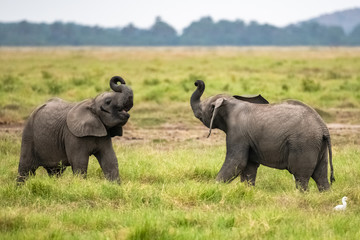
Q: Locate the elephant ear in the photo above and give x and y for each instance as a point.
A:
(116, 131)
(82, 122)
(252, 99)
(218, 103)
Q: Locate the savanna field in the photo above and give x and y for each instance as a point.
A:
(167, 165)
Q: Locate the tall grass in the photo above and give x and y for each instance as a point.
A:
(322, 77)
(168, 189)
(169, 192)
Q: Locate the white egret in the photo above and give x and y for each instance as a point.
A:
(341, 207)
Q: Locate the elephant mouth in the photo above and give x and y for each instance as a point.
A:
(125, 111)
(103, 109)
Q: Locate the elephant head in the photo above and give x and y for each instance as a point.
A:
(103, 115)
(212, 111)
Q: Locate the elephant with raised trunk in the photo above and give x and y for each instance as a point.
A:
(60, 134)
(288, 135)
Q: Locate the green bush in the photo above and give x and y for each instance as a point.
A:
(309, 85)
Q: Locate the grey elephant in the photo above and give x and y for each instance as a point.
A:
(60, 134)
(288, 135)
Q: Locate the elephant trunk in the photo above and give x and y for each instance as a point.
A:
(113, 83)
(195, 98)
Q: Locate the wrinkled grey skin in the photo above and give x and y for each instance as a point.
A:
(288, 135)
(60, 134)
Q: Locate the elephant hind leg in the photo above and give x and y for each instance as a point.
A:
(55, 171)
(322, 184)
(320, 174)
(302, 182)
(249, 173)
(27, 167)
(302, 166)
(28, 163)
(25, 173)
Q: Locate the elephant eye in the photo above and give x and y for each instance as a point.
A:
(107, 101)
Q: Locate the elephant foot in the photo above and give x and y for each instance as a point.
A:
(323, 186)
(302, 184)
(20, 180)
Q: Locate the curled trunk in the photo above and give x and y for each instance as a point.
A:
(195, 98)
(113, 83)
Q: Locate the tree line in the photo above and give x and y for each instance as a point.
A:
(204, 32)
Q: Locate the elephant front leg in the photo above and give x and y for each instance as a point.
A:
(235, 162)
(109, 164)
(79, 163)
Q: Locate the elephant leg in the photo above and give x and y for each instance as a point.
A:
(109, 164)
(249, 173)
(25, 172)
(235, 162)
(77, 154)
(28, 163)
(320, 174)
(302, 166)
(79, 163)
(302, 183)
(55, 171)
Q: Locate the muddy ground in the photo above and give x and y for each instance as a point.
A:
(341, 134)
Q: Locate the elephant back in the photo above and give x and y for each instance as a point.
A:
(47, 128)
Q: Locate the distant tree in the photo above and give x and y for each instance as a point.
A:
(354, 36)
(309, 33)
(315, 34)
(162, 33)
(230, 33)
(202, 32)
(258, 34)
(130, 35)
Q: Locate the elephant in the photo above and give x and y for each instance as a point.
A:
(287, 135)
(59, 134)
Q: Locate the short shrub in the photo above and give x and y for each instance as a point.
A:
(309, 85)
(54, 86)
(46, 74)
(151, 82)
(9, 83)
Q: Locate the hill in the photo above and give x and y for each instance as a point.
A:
(347, 19)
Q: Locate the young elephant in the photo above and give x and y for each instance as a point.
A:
(288, 135)
(60, 134)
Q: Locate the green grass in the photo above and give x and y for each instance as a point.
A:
(170, 193)
(322, 77)
(168, 188)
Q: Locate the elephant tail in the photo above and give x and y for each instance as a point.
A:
(328, 141)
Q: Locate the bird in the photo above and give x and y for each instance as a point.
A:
(341, 207)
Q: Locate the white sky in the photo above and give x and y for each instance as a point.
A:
(179, 14)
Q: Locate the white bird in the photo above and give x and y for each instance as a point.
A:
(341, 207)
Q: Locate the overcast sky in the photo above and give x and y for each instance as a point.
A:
(179, 14)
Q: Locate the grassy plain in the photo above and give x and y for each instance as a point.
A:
(163, 78)
(168, 189)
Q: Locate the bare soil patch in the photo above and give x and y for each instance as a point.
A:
(341, 134)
